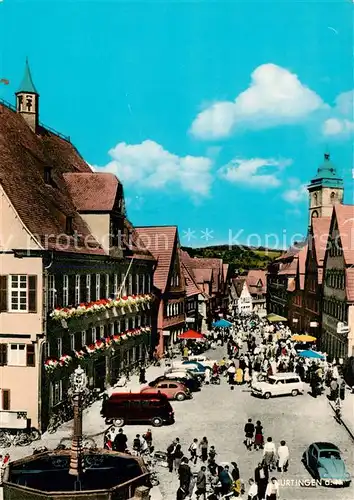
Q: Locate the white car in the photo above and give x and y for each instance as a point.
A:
(280, 384)
(181, 372)
(203, 360)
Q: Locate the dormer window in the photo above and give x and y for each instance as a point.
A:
(69, 225)
(48, 175)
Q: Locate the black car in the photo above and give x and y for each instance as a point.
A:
(192, 383)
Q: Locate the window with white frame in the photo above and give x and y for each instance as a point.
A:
(77, 289)
(88, 287)
(133, 322)
(143, 284)
(65, 290)
(130, 284)
(16, 355)
(60, 346)
(119, 326)
(138, 319)
(72, 341)
(137, 283)
(148, 283)
(107, 286)
(83, 337)
(56, 393)
(51, 291)
(126, 324)
(93, 333)
(115, 285)
(18, 293)
(98, 286)
(111, 329)
(101, 331)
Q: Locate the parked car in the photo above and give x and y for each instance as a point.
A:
(183, 371)
(280, 384)
(191, 382)
(170, 388)
(203, 360)
(193, 366)
(324, 462)
(135, 408)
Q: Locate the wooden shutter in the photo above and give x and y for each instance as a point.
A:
(71, 282)
(83, 294)
(3, 354)
(5, 399)
(3, 293)
(30, 355)
(32, 293)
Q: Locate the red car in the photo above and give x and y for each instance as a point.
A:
(171, 388)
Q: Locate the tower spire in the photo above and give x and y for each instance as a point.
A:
(27, 99)
(27, 84)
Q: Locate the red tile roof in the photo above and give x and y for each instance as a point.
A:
(191, 286)
(350, 283)
(302, 256)
(92, 191)
(253, 278)
(225, 269)
(320, 230)
(161, 242)
(345, 218)
(42, 208)
(202, 275)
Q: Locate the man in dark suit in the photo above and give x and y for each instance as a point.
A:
(261, 477)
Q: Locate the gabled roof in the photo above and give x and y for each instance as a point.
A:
(92, 191)
(225, 269)
(302, 255)
(254, 276)
(42, 208)
(238, 285)
(320, 231)
(345, 219)
(191, 286)
(161, 242)
(202, 275)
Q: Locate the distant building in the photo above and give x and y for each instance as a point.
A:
(241, 296)
(256, 280)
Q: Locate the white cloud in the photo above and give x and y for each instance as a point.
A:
(275, 96)
(296, 195)
(341, 123)
(254, 172)
(149, 165)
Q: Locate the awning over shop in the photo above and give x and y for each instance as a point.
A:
(275, 318)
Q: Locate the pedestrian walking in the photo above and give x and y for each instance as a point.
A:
(225, 480)
(231, 373)
(258, 438)
(181, 493)
(249, 432)
(272, 490)
(193, 448)
(142, 379)
(137, 444)
(261, 477)
(203, 445)
(252, 493)
(207, 376)
(239, 376)
(148, 438)
(171, 455)
(120, 442)
(269, 454)
(178, 455)
(201, 483)
(283, 457)
(185, 475)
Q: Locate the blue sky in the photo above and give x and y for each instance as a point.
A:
(214, 115)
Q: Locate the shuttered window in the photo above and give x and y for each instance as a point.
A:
(31, 361)
(77, 289)
(3, 293)
(88, 288)
(3, 354)
(107, 292)
(65, 290)
(115, 285)
(5, 399)
(51, 292)
(98, 286)
(32, 293)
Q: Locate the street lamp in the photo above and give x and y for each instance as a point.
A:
(77, 391)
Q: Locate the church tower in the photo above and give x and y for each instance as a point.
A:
(27, 100)
(325, 190)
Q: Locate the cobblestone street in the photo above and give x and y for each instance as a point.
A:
(220, 414)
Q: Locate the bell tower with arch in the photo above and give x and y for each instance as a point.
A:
(27, 100)
(326, 189)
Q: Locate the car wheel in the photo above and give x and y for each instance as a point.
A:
(118, 422)
(267, 395)
(180, 396)
(294, 392)
(156, 422)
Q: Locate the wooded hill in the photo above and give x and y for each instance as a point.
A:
(240, 259)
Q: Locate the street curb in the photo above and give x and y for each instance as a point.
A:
(348, 429)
